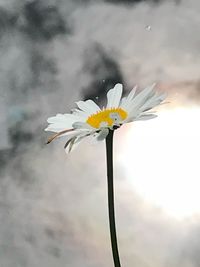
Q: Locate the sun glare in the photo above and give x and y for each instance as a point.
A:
(161, 157)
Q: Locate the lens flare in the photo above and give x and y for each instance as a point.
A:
(161, 158)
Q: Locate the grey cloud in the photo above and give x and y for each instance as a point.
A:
(104, 71)
(42, 21)
(52, 212)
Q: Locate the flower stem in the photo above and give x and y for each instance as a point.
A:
(109, 154)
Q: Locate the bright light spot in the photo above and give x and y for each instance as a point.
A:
(162, 159)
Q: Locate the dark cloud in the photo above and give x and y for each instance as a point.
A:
(104, 70)
(132, 1)
(42, 67)
(42, 21)
(7, 20)
(5, 157)
(19, 136)
(39, 20)
(138, 1)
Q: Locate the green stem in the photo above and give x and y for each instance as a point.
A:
(111, 209)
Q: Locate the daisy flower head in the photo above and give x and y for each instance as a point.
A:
(90, 120)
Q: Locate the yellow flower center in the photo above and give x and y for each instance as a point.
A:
(107, 117)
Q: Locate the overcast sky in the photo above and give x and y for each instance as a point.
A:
(53, 206)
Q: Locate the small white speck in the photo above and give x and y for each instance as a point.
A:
(148, 27)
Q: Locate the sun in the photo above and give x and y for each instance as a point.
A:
(161, 159)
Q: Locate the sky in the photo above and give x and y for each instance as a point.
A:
(53, 205)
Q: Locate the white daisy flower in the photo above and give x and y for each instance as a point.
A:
(90, 120)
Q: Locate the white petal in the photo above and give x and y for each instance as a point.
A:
(144, 95)
(57, 127)
(131, 94)
(102, 134)
(152, 102)
(114, 96)
(71, 132)
(68, 144)
(82, 125)
(127, 101)
(163, 96)
(75, 140)
(145, 117)
(79, 112)
(93, 105)
(62, 122)
(64, 134)
(123, 100)
(65, 118)
(88, 106)
(140, 100)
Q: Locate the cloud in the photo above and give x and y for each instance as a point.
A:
(103, 70)
(52, 54)
(42, 21)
